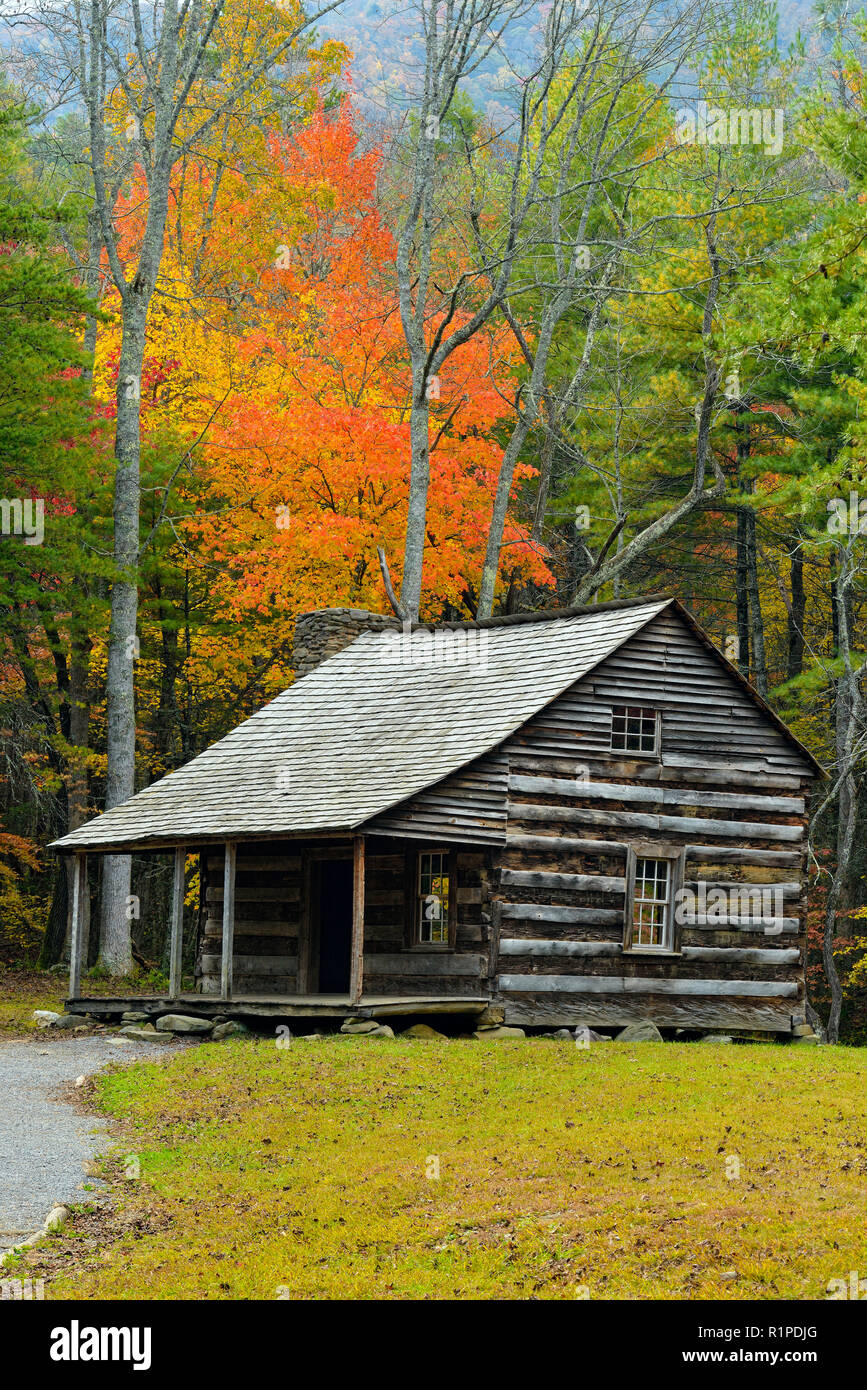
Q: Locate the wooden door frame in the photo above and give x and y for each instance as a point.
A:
(308, 926)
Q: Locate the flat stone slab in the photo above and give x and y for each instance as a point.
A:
(183, 1023)
(136, 1033)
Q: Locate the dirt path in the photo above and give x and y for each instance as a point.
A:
(45, 1141)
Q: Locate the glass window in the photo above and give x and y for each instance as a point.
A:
(651, 905)
(433, 897)
(634, 729)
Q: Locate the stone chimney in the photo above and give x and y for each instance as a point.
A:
(326, 631)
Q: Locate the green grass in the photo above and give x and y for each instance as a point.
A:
(25, 988)
(560, 1170)
(22, 991)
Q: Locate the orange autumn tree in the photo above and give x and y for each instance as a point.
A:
(280, 349)
(311, 468)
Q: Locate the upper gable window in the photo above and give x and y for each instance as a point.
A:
(634, 729)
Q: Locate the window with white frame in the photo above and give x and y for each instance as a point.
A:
(432, 898)
(634, 729)
(651, 905)
(653, 880)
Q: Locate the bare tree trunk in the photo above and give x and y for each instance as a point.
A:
(742, 594)
(79, 738)
(156, 71)
(115, 951)
(796, 615)
(757, 626)
(419, 485)
(848, 707)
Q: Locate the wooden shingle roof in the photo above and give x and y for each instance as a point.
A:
(382, 720)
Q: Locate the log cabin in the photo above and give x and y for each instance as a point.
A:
(584, 817)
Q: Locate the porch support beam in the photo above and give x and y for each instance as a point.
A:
(356, 977)
(228, 920)
(176, 947)
(76, 941)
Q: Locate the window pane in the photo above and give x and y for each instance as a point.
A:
(633, 728)
(650, 910)
(433, 898)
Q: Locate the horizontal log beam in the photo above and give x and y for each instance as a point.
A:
(635, 984)
(756, 858)
(658, 824)
(599, 1011)
(253, 965)
(553, 912)
(788, 889)
(585, 883)
(649, 795)
(214, 928)
(743, 955)
(518, 946)
(725, 955)
(440, 963)
(559, 844)
(532, 763)
(251, 863)
(258, 893)
(771, 925)
(708, 854)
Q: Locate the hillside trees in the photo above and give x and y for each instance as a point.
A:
(808, 325)
(283, 349)
(488, 186)
(665, 396)
(151, 87)
(52, 489)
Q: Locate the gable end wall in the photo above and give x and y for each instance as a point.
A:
(727, 788)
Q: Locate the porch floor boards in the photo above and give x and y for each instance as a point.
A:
(281, 1006)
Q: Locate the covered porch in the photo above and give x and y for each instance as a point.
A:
(326, 928)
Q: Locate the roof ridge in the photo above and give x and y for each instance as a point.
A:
(543, 615)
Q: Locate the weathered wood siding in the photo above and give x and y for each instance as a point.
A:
(267, 915)
(540, 828)
(269, 921)
(389, 967)
(727, 787)
(471, 806)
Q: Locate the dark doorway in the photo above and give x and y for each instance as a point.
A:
(335, 925)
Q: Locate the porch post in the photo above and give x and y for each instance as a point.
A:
(76, 941)
(356, 977)
(177, 939)
(228, 920)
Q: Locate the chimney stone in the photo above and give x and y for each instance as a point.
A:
(326, 631)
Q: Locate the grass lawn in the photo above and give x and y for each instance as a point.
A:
(608, 1173)
(22, 991)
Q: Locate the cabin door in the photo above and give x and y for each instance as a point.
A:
(332, 925)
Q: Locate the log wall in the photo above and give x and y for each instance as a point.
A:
(390, 968)
(727, 788)
(267, 917)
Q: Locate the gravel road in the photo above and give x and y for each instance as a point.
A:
(45, 1140)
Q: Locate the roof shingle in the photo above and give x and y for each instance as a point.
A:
(385, 718)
